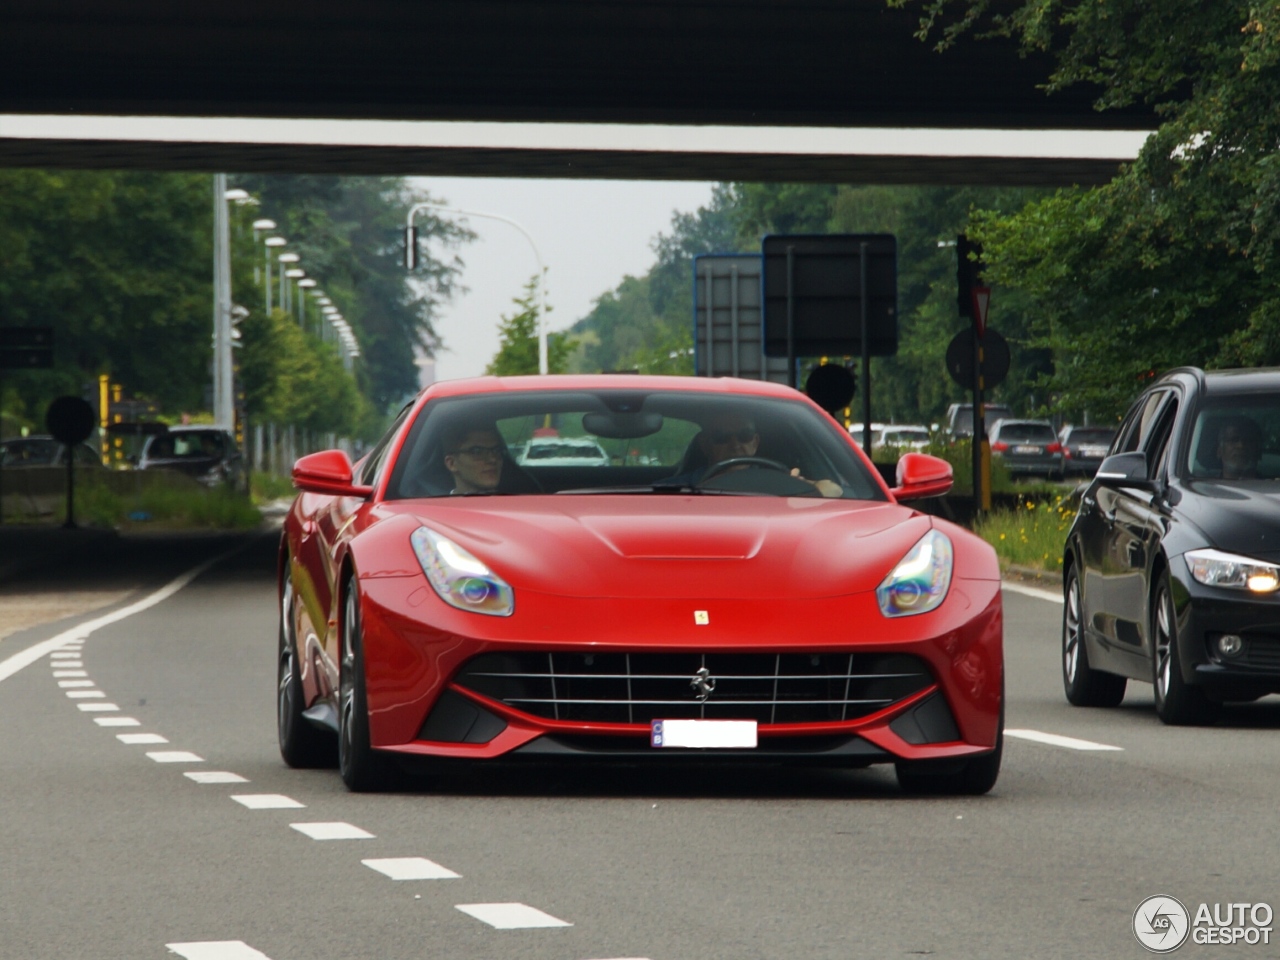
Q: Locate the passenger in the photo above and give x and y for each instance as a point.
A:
(1239, 448)
(474, 457)
(730, 436)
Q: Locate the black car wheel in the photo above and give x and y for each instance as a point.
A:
(363, 769)
(1084, 686)
(301, 744)
(1177, 702)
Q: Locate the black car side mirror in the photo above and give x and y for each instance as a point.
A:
(1125, 470)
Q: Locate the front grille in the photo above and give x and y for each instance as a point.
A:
(1261, 653)
(639, 687)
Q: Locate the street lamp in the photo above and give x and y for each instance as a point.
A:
(259, 227)
(284, 289)
(271, 242)
(303, 286)
(411, 261)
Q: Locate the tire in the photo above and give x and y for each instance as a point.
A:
(1178, 703)
(301, 744)
(363, 769)
(970, 777)
(1084, 686)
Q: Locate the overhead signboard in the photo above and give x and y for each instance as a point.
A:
(813, 287)
(26, 348)
(727, 326)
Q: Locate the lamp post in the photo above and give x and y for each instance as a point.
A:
(223, 391)
(271, 242)
(411, 261)
(260, 227)
(304, 285)
(284, 287)
(297, 273)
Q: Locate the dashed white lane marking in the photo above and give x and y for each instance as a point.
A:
(85, 694)
(101, 707)
(73, 639)
(72, 684)
(1055, 740)
(141, 738)
(266, 801)
(64, 655)
(511, 916)
(69, 673)
(411, 868)
(217, 950)
(117, 722)
(215, 776)
(174, 756)
(332, 831)
(1032, 592)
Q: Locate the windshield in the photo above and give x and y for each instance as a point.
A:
(1237, 438)
(633, 442)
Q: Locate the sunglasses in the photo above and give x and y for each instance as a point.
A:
(721, 437)
(479, 453)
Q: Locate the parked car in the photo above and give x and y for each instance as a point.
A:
(44, 451)
(1027, 447)
(562, 452)
(208, 454)
(1171, 572)
(902, 437)
(439, 600)
(1084, 448)
(960, 418)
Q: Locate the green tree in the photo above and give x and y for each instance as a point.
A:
(518, 340)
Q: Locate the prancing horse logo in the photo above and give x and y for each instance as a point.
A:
(703, 683)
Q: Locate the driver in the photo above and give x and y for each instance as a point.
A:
(730, 435)
(1239, 447)
(473, 455)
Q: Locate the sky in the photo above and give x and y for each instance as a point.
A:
(590, 234)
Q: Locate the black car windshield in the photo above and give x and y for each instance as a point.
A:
(1236, 438)
(626, 441)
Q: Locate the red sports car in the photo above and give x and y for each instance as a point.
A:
(732, 580)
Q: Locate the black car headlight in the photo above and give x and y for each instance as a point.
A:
(1214, 568)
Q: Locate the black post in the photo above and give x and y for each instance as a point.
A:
(791, 317)
(866, 353)
(71, 486)
(979, 420)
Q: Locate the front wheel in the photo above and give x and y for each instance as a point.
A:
(363, 769)
(1084, 686)
(301, 744)
(1178, 703)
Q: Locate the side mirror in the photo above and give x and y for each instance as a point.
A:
(327, 472)
(1125, 470)
(920, 475)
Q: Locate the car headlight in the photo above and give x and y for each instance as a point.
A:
(920, 581)
(459, 578)
(1214, 568)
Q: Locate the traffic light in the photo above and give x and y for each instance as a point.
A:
(969, 271)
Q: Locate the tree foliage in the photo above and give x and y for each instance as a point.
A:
(518, 340)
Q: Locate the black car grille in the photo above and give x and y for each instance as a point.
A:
(639, 687)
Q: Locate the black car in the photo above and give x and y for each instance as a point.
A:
(1027, 447)
(208, 454)
(1171, 570)
(1083, 449)
(42, 451)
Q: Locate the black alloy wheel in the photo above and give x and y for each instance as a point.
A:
(1178, 703)
(363, 769)
(1084, 686)
(301, 744)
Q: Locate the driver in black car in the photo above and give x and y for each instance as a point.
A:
(730, 436)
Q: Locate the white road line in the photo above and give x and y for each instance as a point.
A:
(410, 868)
(1056, 740)
(1032, 592)
(266, 801)
(174, 756)
(71, 684)
(117, 722)
(510, 916)
(69, 673)
(64, 655)
(140, 738)
(332, 831)
(85, 694)
(103, 707)
(73, 638)
(217, 950)
(215, 776)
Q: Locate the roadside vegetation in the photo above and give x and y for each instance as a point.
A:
(1030, 535)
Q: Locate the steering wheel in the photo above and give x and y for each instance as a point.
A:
(724, 466)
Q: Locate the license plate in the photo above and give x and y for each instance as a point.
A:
(703, 734)
(1093, 451)
(1026, 449)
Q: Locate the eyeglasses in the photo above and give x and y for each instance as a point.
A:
(721, 437)
(482, 453)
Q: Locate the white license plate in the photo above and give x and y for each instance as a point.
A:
(703, 734)
(1093, 451)
(1026, 449)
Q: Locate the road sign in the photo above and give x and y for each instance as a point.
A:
(995, 359)
(981, 298)
(26, 348)
(726, 287)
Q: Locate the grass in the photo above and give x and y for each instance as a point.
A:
(138, 500)
(1031, 535)
(265, 487)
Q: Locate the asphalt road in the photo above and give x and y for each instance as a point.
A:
(107, 852)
